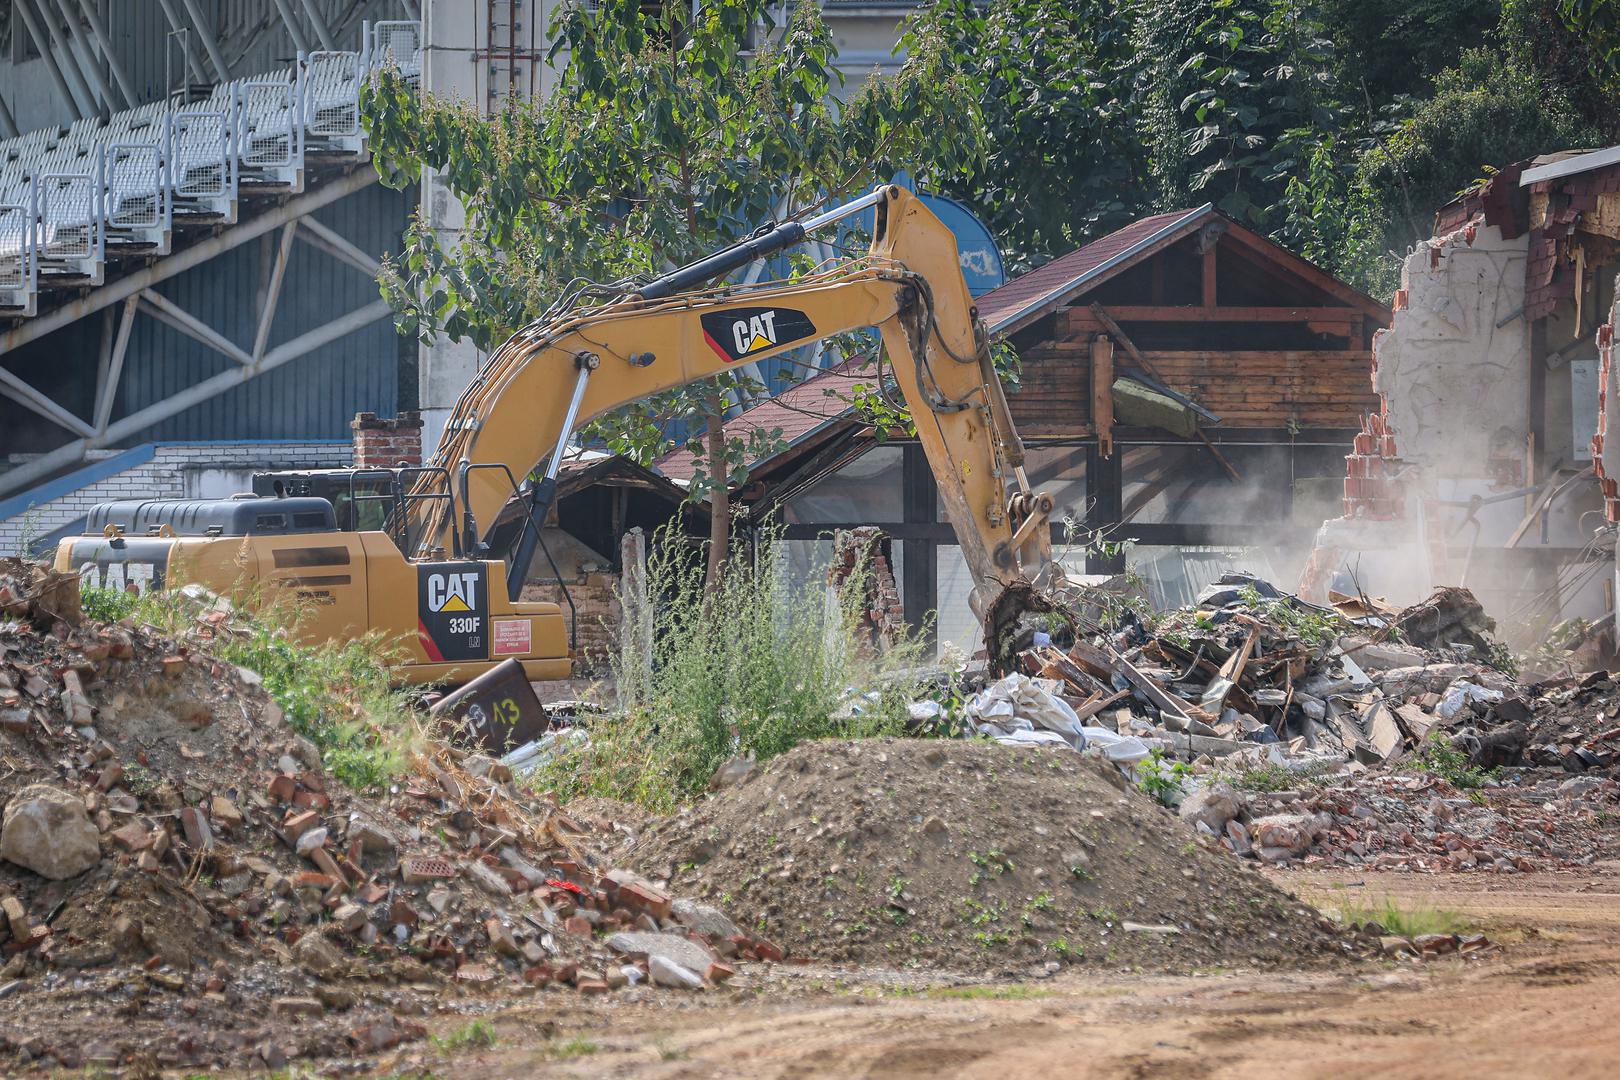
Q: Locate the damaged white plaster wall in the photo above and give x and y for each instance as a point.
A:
(1454, 366)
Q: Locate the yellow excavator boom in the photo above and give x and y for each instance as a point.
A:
(554, 376)
(428, 581)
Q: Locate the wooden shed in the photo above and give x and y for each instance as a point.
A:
(1257, 369)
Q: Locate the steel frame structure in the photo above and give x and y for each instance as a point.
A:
(127, 298)
(313, 107)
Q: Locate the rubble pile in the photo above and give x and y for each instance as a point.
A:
(1250, 665)
(962, 857)
(1393, 739)
(172, 851)
(1410, 821)
(1419, 823)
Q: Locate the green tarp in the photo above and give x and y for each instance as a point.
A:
(1136, 405)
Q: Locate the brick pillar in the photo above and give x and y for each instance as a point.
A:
(859, 553)
(382, 444)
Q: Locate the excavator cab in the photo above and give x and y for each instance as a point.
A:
(366, 500)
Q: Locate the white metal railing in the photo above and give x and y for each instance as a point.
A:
(71, 198)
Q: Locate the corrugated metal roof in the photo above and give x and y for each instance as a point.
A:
(798, 412)
(1571, 165)
(1029, 295)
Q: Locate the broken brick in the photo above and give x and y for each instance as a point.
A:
(349, 917)
(420, 870)
(133, 837)
(223, 812)
(198, 835)
(500, 937)
(328, 866)
(282, 788)
(636, 892)
(298, 824)
(16, 916)
(111, 773)
(385, 1034)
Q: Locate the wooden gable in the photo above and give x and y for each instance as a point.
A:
(1242, 327)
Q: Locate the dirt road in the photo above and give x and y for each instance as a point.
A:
(1542, 1005)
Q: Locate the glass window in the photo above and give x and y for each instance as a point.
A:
(866, 491)
(955, 622)
(1061, 471)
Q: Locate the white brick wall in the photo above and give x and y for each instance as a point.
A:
(176, 471)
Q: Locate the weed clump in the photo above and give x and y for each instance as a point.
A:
(337, 694)
(1439, 758)
(1270, 777)
(753, 665)
(1405, 921)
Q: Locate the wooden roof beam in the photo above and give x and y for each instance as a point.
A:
(1280, 260)
(1180, 313)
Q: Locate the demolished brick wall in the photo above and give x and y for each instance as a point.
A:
(596, 615)
(1606, 451)
(1452, 372)
(381, 443)
(1558, 206)
(862, 550)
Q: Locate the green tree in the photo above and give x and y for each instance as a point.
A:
(1059, 160)
(1487, 111)
(1574, 46)
(1263, 98)
(671, 132)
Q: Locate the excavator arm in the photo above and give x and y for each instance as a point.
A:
(554, 376)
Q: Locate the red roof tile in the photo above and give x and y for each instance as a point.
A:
(1002, 307)
(797, 411)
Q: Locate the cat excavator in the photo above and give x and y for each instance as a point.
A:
(424, 573)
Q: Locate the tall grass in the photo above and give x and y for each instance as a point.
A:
(1406, 920)
(337, 694)
(754, 666)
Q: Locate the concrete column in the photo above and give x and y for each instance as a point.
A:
(451, 32)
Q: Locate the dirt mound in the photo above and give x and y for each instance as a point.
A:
(973, 857)
(226, 902)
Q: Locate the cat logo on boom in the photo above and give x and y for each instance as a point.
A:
(744, 332)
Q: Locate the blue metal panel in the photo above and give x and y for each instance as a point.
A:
(313, 397)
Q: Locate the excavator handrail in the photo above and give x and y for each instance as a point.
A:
(514, 582)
